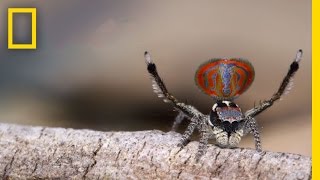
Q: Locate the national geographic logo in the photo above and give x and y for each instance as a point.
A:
(12, 27)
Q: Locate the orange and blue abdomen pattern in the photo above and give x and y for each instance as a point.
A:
(224, 78)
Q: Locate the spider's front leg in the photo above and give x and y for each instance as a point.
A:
(185, 111)
(203, 142)
(284, 88)
(251, 127)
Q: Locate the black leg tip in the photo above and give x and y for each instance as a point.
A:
(151, 68)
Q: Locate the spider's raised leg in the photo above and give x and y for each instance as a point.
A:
(284, 88)
(251, 127)
(160, 89)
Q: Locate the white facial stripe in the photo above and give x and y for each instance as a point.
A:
(214, 107)
(210, 122)
(226, 102)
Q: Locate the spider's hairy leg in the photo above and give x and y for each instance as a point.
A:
(177, 121)
(235, 138)
(188, 110)
(203, 142)
(284, 88)
(160, 89)
(251, 127)
(188, 132)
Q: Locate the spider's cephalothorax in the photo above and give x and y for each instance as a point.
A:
(227, 115)
(223, 80)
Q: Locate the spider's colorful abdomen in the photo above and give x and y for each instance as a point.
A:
(224, 78)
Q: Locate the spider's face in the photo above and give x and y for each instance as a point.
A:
(226, 112)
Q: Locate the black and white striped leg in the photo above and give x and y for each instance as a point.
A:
(251, 126)
(188, 132)
(160, 89)
(284, 88)
(203, 142)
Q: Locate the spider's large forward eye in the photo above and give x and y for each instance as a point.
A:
(232, 104)
(213, 118)
(221, 104)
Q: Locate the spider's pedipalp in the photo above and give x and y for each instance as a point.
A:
(221, 137)
(235, 138)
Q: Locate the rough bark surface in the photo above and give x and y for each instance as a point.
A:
(36, 152)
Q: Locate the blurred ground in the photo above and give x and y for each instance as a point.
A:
(89, 71)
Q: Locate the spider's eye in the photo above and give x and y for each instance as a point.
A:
(232, 104)
(221, 104)
(213, 118)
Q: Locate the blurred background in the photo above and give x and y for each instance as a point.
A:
(89, 71)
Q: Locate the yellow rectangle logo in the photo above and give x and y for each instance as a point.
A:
(33, 12)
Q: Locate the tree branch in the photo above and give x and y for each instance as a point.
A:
(35, 152)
